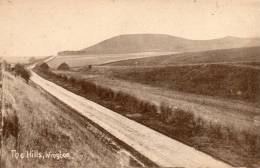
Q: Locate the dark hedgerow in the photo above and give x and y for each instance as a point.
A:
(185, 123)
(72, 80)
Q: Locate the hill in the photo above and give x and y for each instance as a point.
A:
(135, 43)
(249, 54)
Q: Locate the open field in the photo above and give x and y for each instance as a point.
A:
(238, 82)
(250, 54)
(77, 61)
(33, 122)
(207, 110)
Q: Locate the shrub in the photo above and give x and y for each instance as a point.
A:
(21, 71)
(145, 107)
(44, 67)
(106, 93)
(64, 66)
(199, 126)
(89, 87)
(251, 141)
(64, 78)
(72, 80)
(215, 130)
(175, 115)
(80, 83)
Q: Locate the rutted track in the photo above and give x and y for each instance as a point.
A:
(160, 149)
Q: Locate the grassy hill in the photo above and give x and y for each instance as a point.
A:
(248, 54)
(135, 43)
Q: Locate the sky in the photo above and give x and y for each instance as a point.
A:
(45, 27)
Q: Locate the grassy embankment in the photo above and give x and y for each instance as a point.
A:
(234, 146)
(34, 122)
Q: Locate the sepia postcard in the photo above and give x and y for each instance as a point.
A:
(130, 83)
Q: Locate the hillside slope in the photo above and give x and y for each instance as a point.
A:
(134, 43)
(249, 54)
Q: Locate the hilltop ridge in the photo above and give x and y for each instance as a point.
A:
(135, 43)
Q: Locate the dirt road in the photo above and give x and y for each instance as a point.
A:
(160, 149)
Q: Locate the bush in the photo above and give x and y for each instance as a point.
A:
(22, 72)
(175, 115)
(64, 67)
(72, 80)
(44, 67)
(89, 87)
(81, 83)
(64, 78)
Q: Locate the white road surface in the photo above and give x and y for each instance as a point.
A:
(160, 149)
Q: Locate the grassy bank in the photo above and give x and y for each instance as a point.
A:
(34, 123)
(226, 143)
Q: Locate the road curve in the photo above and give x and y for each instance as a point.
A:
(160, 149)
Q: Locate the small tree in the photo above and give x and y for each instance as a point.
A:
(21, 71)
(64, 67)
(44, 67)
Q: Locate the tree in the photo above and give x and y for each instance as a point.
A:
(64, 67)
(21, 71)
(44, 66)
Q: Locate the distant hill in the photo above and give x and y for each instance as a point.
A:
(135, 43)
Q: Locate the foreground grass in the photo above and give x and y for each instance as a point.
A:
(33, 122)
(229, 144)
